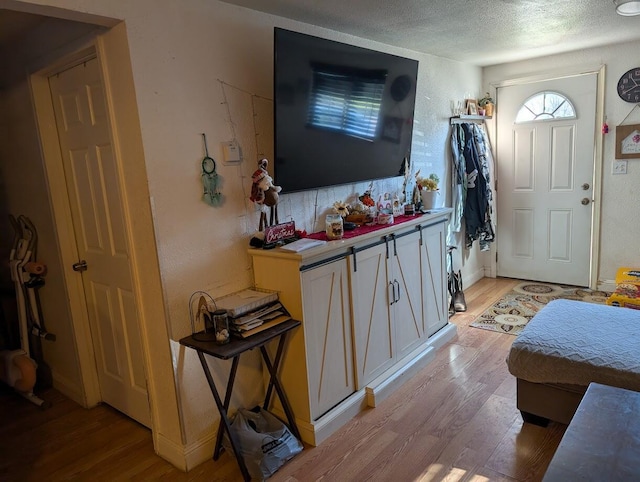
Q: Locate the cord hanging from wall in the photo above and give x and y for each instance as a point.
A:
(231, 149)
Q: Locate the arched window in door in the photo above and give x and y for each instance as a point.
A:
(546, 106)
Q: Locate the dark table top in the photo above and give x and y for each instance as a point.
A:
(602, 441)
(238, 345)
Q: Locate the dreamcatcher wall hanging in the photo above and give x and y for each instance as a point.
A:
(210, 179)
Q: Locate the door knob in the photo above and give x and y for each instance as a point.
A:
(585, 201)
(80, 265)
(585, 186)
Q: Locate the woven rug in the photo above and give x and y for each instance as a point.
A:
(514, 310)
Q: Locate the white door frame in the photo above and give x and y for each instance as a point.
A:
(597, 164)
(112, 52)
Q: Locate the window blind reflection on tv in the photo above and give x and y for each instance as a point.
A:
(342, 113)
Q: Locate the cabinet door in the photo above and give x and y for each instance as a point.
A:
(327, 331)
(372, 328)
(434, 274)
(405, 273)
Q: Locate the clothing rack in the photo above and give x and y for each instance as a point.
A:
(459, 119)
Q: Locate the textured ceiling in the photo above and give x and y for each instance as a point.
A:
(481, 32)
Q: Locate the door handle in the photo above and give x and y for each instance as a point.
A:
(80, 266)
(585, 201)
(396, 296)
(393, 292)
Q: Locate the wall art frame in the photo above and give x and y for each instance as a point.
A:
(471, 106)
(628, 141)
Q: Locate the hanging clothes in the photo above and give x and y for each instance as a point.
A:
(471, 152)
(458, 178)
(486, 162)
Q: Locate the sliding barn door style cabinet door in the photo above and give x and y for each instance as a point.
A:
(327, 330)
(373, 312)
(434, 278)
(386, 295)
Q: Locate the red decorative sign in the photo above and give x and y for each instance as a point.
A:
(279, 232)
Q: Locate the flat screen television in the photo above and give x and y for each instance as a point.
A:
(342, 113)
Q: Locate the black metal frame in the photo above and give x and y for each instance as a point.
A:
(232, 351)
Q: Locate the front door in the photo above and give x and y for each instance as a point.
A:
(93, 186)
(545, 173)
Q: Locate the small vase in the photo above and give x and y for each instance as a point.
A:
(428, 199)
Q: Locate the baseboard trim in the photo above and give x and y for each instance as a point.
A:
(318, 431)
(607, 285)
(69, 389)
(337, 417)
(383, 386)
(443, 336)
(186, 457)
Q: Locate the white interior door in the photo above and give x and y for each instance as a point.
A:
(545, 173)
(93, 186)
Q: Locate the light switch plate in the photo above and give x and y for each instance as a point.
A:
(619, 167)
(232, 152)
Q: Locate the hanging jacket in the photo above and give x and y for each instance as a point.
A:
(485, 158)
(476, 202)
(458, 178)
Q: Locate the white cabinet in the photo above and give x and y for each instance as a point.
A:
(373, 311)
(386, 295)
(327, 331)
(434, 275)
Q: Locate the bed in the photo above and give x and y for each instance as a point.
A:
(567, 345)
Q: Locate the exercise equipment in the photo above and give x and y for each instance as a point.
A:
(17, 364)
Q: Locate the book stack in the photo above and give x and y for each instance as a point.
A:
(259, 320)
(252, 311)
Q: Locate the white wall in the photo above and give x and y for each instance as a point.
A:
(181, 54)
(619, 232)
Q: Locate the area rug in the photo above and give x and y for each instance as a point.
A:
(514, 310)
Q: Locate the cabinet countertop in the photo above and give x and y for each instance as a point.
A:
(331, 247)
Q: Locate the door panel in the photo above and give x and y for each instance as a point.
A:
(544, 231)
(407, 311)
(436, 309)
(96, 206)
(327, 329)
(563, 159)
(560, 222)
(372, 329)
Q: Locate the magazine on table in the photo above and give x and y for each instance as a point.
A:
(259, 320)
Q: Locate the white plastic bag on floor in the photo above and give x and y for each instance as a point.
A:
(266, 443)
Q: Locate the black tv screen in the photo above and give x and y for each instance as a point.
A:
(342, 113)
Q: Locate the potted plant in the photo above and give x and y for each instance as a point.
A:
(428, 188)
(487, 104)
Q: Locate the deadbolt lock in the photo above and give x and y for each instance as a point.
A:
(585, 186)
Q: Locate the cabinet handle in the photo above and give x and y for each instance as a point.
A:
(393, 292)
(386, 245)
(396, 299)
(395, 250)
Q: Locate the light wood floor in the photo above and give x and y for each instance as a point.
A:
(456, 421)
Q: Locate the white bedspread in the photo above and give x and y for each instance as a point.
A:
(576, 342)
